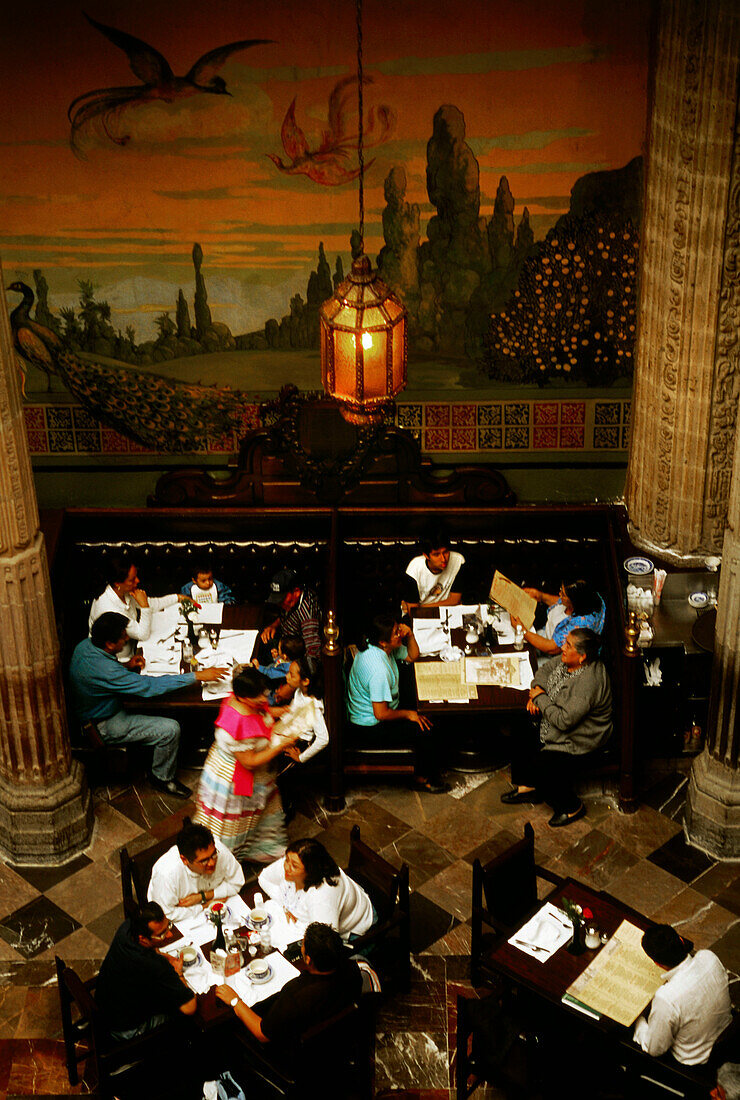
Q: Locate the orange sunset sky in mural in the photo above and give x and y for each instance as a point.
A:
(549, 92)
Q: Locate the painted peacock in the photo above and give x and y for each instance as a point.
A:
(157, 412)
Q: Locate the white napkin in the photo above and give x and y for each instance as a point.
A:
(282, 930)
(544, 933)
(282, 972)
(430, 636)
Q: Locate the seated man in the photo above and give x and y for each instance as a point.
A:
(100, 682)
(330, 982)
(437, 576)
(293, 610)
(691, 1008)
(196, 870)
(137, 988)
(204, 588)
(728, 1082)
(124, 597)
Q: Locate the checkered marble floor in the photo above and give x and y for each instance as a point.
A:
(643, 859)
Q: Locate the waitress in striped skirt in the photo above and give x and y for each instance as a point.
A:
(238, 797)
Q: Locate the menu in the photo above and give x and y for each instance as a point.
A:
(620, 981)
(514, 599)
(500, 670)
(437, 680)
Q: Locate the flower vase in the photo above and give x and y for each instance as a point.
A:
(219, 942)
(578, 944)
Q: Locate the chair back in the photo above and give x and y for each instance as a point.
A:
(388, 889)
(77, 1008)
(508, 883)
(136, 872)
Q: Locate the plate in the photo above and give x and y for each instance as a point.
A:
(639, 567)
(260, 981)
(698, 599)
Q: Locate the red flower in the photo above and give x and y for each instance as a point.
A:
(587, 914)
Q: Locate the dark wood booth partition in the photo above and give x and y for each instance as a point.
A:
(344, 508)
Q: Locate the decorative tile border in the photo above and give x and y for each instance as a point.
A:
(536, 426)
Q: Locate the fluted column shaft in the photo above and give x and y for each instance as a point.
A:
(687, 370)
(45, 813)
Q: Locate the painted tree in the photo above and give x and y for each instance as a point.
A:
(573, 311)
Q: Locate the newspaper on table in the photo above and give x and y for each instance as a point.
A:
(209, 614)
(508, 670)
(514, 599)
(439, 680)
(620, 981)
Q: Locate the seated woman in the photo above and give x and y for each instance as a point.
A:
(124, 596)
(577, 605)
(310, 887)
(572, 697)
(372, 698)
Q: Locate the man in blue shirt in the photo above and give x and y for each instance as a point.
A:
(99, 682)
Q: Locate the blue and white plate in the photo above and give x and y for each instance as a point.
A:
(698, 599)
(639, 567)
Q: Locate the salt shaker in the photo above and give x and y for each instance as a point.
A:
(519, 637)
(593, 937)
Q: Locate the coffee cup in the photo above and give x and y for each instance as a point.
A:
(189, 955)
(258, 969)
(258, 916)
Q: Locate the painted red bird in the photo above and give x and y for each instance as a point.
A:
(158, 82)
(327, 164)
(36, 344)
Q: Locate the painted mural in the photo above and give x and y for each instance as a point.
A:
(179, 190)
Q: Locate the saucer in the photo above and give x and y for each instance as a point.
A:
(639, 567)
(262, 924)
(698, 599)
(260, 981)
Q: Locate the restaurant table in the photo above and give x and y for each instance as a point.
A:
(550, 979)
(235, 617)
(490, 698)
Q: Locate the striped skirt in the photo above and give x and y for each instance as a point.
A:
(251, 827)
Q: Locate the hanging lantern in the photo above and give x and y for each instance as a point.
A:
(363, 326)
(363, 345)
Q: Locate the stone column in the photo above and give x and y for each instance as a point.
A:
(687, 371)
(713, 807)
(45, 806)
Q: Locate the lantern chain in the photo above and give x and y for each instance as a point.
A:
(360, 150)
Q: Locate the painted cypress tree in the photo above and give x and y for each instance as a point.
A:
(183, 317)
(202, 312)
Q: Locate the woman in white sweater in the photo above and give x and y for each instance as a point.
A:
(310, 887)
(124, 596)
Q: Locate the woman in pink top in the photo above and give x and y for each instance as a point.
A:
(238, 798)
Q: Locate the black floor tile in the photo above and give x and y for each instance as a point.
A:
(663, 790)
(43, 878)
(36, 927)
(680, 859)
(429, 922)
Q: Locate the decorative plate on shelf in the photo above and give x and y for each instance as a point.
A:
(639, 567)
(698, 599)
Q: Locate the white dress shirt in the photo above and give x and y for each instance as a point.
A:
(172, 880)
(344, 907)
(689, 1011)
(139, 618)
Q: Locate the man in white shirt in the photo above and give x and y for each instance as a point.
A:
(691, 1008)
(124, 596)
(194, 872)
(436, 576)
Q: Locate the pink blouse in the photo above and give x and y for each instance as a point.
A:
(241, 727)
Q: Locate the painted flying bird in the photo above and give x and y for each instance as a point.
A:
(325, 165)
(158, 82)
(36, 344)
(158, 412)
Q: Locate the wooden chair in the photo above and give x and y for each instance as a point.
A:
(502, 1057)
(388, 889)
(336, 1052)
(504, 891)
(83, 1028)
(136, 872)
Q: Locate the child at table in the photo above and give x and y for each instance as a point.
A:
(204, 588)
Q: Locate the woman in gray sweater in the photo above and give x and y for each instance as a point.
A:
(572, 697)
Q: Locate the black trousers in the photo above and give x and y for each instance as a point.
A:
(402, 733)
(551, 772)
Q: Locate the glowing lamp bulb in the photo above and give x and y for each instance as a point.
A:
(367, 340)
